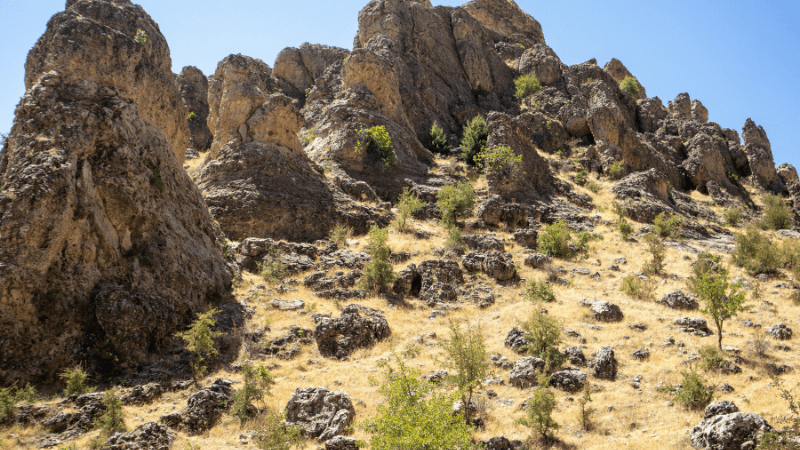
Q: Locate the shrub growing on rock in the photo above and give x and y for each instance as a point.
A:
(540, 411)
(378, 275)
(438, 140)
(501, 161)
(141, 37)
(476, 133)
(455, 200)
(407, 204)
(9, 400)
(629, 85)
(274, 270)
(553, 241)
(526, 85)
(378, 144)
(455, 240)
(76, 381)
(466, 354)
(723, 300)
(616, 170)
(537, 291)
(199, 340)
(777, 215)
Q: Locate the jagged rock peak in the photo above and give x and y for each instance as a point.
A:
(302, 66)
(506, 18)
(193, 86)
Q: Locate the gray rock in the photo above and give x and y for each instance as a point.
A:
(719, 408)
(736, 431)
(287, 305)
(141, 395)
(439, 281)
(499, 266)
(526, 237)
(89, 407)
(570, 380)
(203, 408)
(641, 354)
(357, 327)
(321, 413)
(604, 364)
(537, 260)
(604, 311)
(679, 300)
(694, 325)
(484, 243)
(575, 356)
(437, 376)
(780, 331)
(147, 436)
(526, 371)
(499, 443)
(516, 340)
(193, 86)
(341, 443)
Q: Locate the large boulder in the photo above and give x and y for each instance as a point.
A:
(604, 364)
(526, 372)
(322, 414)
(759, 156)
(357, 327)
(679, 300)
(203, 408)
(505, 18)
(193, 86)
(302, 66)
(440, 281)
(570, 380)
(719, 408)
(603, 311)
(147, 436)
(736, 431)
(499, 266)
(103, 237)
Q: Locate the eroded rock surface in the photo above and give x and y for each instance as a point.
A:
(357, 327)
(321, 413)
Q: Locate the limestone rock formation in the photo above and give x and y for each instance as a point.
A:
(759, 156)
(321, 413)
(302, 66)
(147, 436)
(357, 327)
(506, 18)
(619, 72)
(730, 431)
(193, 86)
(203, 408)
(103, 236)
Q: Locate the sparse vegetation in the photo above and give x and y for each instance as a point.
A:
(540, 411)
(616, 170)
(666, 226)
(275, 434)
(658, 255)
(455, 200)
(733, 217)
(141, 37)
(638, 288)
(466, 355)
(455, 239)
(76, 381)
(256, 383)
(378, 275)
(476, 134)
(586, 411)
(526, 85)
(439, 140)
(193, 116)
(10, 396)
(555, 239)
(624, 228)
(539, 292)
(711, 358)
(755, 253)
(629, 85)
(378, 144)
(544, 335)
(583, 239)
(722, 300)
(777, 215)
(694, 393)
(500, 161)
(760, 343)
(340, 234)
(272, 270)
(199, 340)
(581, 177)
(407, 205)
(111, 421)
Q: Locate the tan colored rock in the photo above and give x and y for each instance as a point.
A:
(370, 70)
(619, 72)
(505, 18)
(759, 155)
(302, 66)
(788, 173)
(543, 62)
(276, 121)
(193, 86)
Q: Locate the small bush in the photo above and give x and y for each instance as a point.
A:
(407, 205)
(141, 37)
(760, 343)
(378, 275)
(551, 273)
(777, 215)
(544, 335)
(76, 381)
(620, 210)
(111, 421)
(584, 238)
(193, 116)
(755, 253)
(199, 340)
(476, 134)
(526, 85)
(539, 292)
(455, 240)
(790, 254)
(694, 393)
(500, 161)
(722, 299)
(666, 226)
(595, 188)
(658, 255)
(586, 411)
(553, 241)
(466, 355)
(274, 270)
(540, 411)
(378, 144)
(711, 358)
(624, 228)
(581, 177)
(256, 384)
(616, 170)
(275, 434)
(629, 85)
(639, 289)
(454, 200)
(439, 140)
(340, 234)
(733, 217)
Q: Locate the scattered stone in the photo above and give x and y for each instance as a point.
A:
(621, 261)
(641, 354)
(726, 388)
(780, 331)
(537, 260)
(750, 324)
(679, 300)
(525, 372)
(341, 443)
(694, 325)
(604, 364)
(638, 327)
(437, 376)
(141, 395)
(287, 346)
(604, 311)
(321, 413)
(575, 356)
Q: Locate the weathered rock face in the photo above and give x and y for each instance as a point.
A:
(619, 72)
(147, 436)
(604, 364)
(357, 327)
(734, 431)
(322, 414)
(526, 371)
(302, 66)
(506, 18)
(102, 234)
(759, 156)
(203, 408)
(193, 86)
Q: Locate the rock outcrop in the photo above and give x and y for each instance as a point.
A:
(193, 86)
(733, 431)
(103, 237)
(357, 327)
(322, 414)
(203, 408)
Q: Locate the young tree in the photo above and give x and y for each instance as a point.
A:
(454, 200)
(76, 381)
(111, 421)
(722, 299)
(199, 339)
(658, 253)
(540, 410)
(416, 417)
(544, 335)
(438, 140)
(378, 275)
(407, 204)
(476, 134)
(467, 355)
(586, 411)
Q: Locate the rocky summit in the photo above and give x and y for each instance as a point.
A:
(444, 181)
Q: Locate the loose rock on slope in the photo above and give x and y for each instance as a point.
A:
(321, 413)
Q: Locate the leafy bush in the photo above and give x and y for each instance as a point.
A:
(711, 358)
(193, 116)
(658, 254)
(733, 217)
(616, 170)
(454, 200)
(256, 384)
(378, 144)
(407, 204)
(76, 381)
(9, 400)
(439, 140)
(526, 85)
(583, 239)
(539, 292)
(580, 178)
(501, 161)
(694, 393)
(455, 239)
(722, 299)
(625, 228)
(378, 275)
(639, 289)
(553, 241)
(476, 134)
(272, 270)
(777, 215)
(666, 226)
(629, 85)
(466, 354)
(755, 253)
(141, 37)
(340, 234)
(544, 335)
(199, 340)
(111, 421)
(414, 416)
(275, 434)
(595, 188)
(540, 411)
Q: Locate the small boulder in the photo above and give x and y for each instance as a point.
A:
(357, 327)
(342, 443)
(719, 408)
(526, 237)
(499, 266)
(679, 300)
(736, 431)
(287, 305)
(526, 371)
(694, 325)
(575, 356)
(147, 436)
(537, 260)
(516, 341)
(780, 331)
(484, 243)
(570, 380)
(439, 281)
(203, 408)
(604, 311)
(604, 364)
(641, 354)
(322, 414)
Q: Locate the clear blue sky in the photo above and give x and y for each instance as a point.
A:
(740, 58)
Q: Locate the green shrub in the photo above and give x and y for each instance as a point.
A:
(407, 205)
(616, 170)
(755, 253)
(539, 417)
(544, 335)
(256, 384)
(340, 234)
(141, 37)
(584, 238)
(454, 200)
(455, 239)
(199, 340)
(414, 416)
(439, 140)
(526, 85)
(694, 393)
(378, 276)
(378, 144)
(732, 176)
(586, 411)
(111, 421)
(8, 403)
(76, 381)
(711, 358)
(275, 434)
(595, 188)
(666, 226)
(733, 217)
(553, 241)
(272, 270)
(639, 289)
(581, 177)
(500, 161)
(722, 299)
(620, 210)
(658, 255)
(625, 228)
(710, 257)
(790, 254)
(777, 215)
(192, 116)
(539, 292)
(629, 85)
(466, 355)
(476, 134)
